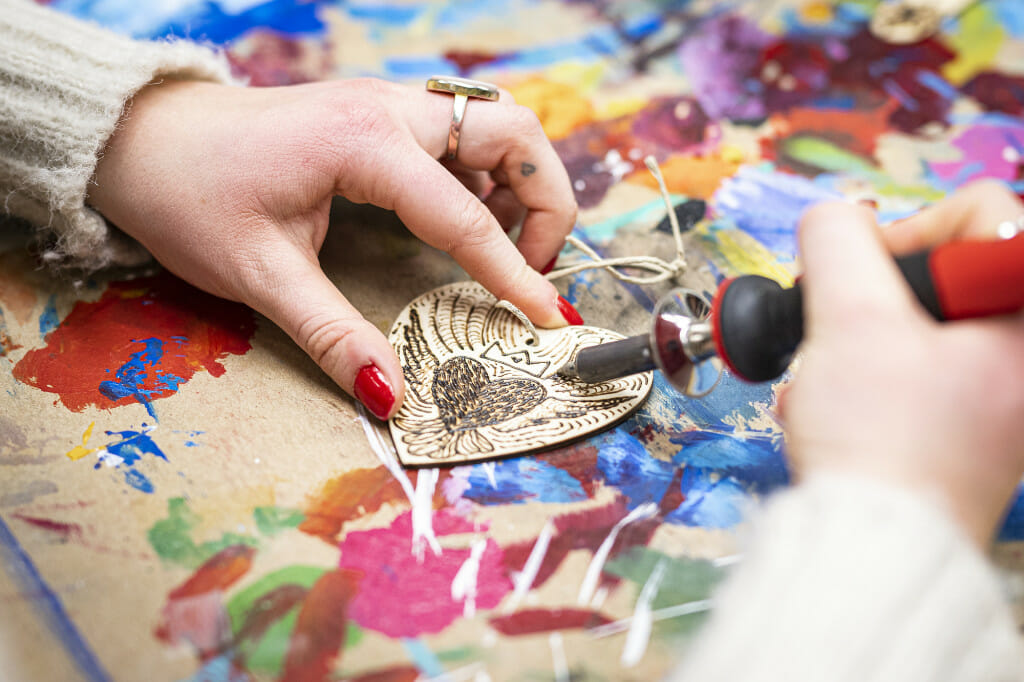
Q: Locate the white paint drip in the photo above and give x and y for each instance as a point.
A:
(728, 560)
(464, 582)
(523, 580)
(109, 459)
(593, 574)
(558, 660)
(489, 471)
(640, 629)
(422, 515)
(598, 601)
(615, 627)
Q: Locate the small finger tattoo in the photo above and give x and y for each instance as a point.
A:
(527, 169)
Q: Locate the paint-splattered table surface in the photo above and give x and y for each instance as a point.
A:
(183, 494)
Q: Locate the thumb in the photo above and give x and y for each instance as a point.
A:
(301, 300)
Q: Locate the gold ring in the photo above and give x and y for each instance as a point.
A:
(463, 89)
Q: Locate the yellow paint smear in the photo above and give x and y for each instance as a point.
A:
(735, 252)
(694, 176)
(79, 451)
(817, 12)
(976, 44)
(560, 108)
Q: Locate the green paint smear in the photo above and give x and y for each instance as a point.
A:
(458, 654)
(171, 538)
(273, 520)
(684, 580)
(242, 601)
(824, 155)
(268, 653)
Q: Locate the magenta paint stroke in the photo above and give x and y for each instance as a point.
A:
(402, 596)
(990, 150)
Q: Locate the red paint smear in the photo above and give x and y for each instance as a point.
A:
(96, 339)
(531, 621)
(319, 632)
(401, 596)
(586, 530)
(268, 609)
(268, 59)
(854, 130)
(396, 674)
(997, 92)
(674, 495)
(66, 531)
(580, 462)
(465, 60)
(218, 573)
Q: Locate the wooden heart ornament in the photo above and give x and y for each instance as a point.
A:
(480, 385)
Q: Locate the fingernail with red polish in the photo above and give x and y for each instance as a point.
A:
(568, 312)
(549, 267)
(374, 391)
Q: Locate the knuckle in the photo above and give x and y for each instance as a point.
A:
(474, 227)
(326, 338)
(524, 121)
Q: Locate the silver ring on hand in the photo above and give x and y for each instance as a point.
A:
(462, 89)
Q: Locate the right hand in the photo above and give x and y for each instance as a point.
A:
(885, 391)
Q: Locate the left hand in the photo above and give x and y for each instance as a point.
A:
(230, 188)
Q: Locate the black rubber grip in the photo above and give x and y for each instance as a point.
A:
(758, 326)
(616, 359)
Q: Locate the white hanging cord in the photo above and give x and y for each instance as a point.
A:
(661, 269)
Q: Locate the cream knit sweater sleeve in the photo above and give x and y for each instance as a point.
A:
(64, 85)
(848, 580)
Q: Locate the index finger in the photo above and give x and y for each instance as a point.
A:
(973, 212)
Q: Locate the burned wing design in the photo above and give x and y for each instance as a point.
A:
(480, 386)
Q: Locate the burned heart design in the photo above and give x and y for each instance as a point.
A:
(480, 385)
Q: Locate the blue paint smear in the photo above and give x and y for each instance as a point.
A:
(731, 398)
(767, 205)
(755, 460)
(626, 465)
(199, 20)
(138, 480)
(219, 669)
(423, 658)
(49, 321)
(47, 604)
(711, 501)
(132, 376)
(1013, 524)
(521, 480)
(1011, 15)
(133, 445)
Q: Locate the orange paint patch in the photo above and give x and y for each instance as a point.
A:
(856, 131)
(218, 573)
(694, 176)
(350, 496)
(560, 108)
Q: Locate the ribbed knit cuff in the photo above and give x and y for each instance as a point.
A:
(63, 88)
(852, 580)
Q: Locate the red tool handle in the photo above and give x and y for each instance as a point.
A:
(758, 325)
(978, 278)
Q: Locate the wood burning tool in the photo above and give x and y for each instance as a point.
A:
(754, 325)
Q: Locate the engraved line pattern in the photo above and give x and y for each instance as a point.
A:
(478, 390)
